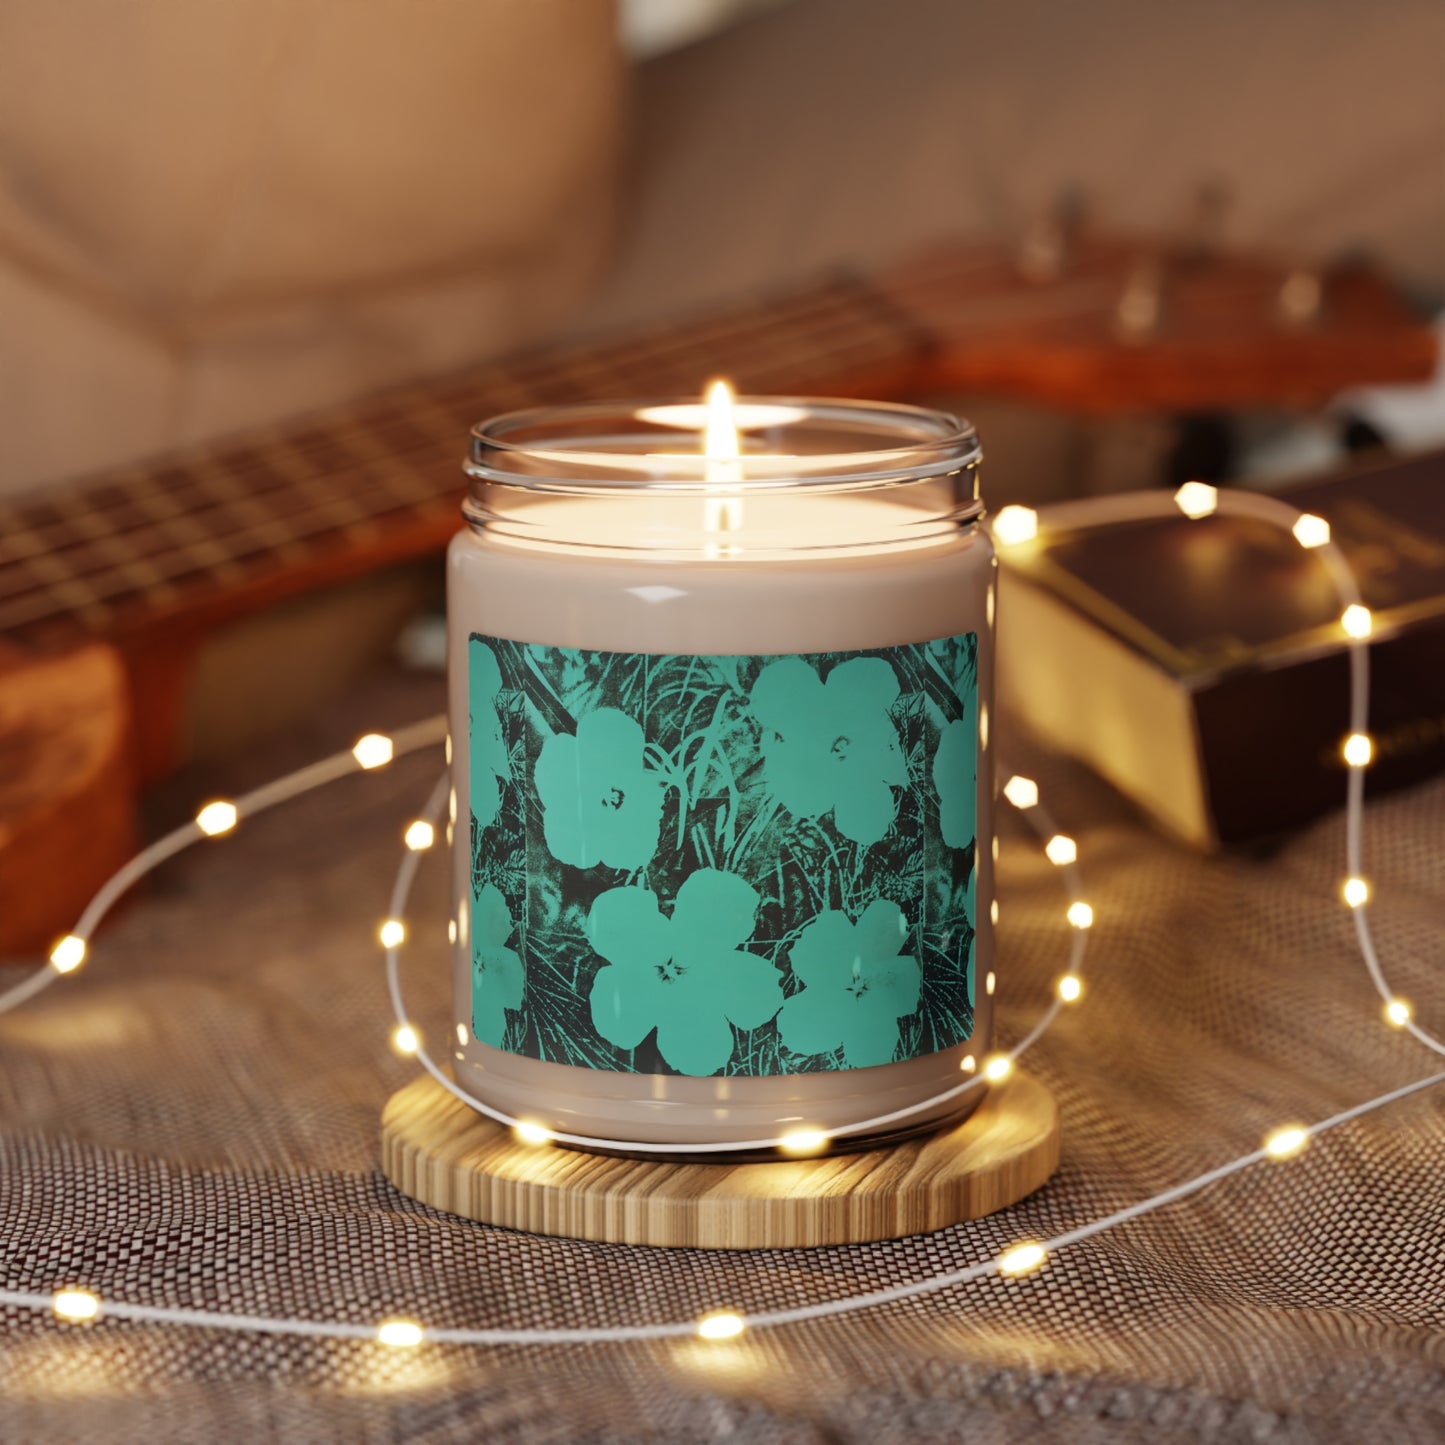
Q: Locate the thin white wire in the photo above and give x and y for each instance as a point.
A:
(1128, 507)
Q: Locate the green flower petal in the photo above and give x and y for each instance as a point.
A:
(870, 1036)
(694, 1043)
(881, 930)
(491, 921)
(863, 684)
(626, 927)
(624, 1003)
(487, 753)
(802, 775)
(713, 908)
(866, 810)
(955, 775)
(809, 1023)
(788, 698)
(895, 985)
(826, 951)
(498, 973)
(599, 803)
(740, 986)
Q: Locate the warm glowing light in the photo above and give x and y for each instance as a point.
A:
(1071, 988)
(68, 954)
(1398, 1013)
(1311, 531)
(998, 1068)
(804, 1141)
(1021, 792)
(451, 930)
(968, 1064)
(217, 818)
(723, 1325)
(720, 435)
(1286, 1142)
(1014, 525)
(392, 933)
(75, 1304)
(989, 983)
(1196, 499)
(400, 1334)
(1080, 915)
(993, 911)
(1357, 621)
(461, 1033)
(373, 751)
(1356, 892)
(530, 1133)
(405, 1039)
(1061, 849)
(420, 835)
(1359, 751)
(1023, 1259)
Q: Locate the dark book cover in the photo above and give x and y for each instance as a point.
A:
(1247, 622)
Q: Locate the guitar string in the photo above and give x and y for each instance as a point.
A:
(406, 1333)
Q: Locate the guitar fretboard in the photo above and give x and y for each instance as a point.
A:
(380, 480)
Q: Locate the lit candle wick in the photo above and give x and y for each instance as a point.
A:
(723, 453)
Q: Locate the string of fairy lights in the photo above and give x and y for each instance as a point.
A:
(1014, 526)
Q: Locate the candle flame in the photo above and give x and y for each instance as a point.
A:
(720, 435)
(723, 451)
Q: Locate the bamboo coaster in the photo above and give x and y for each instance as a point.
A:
(440, 1152)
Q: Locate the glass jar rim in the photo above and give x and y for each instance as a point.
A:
(600, 447)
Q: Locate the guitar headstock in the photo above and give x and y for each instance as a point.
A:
(1111, 324)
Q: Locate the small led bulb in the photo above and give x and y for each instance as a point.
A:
(1023, 1259)
(530, 1133)
(75, 1304)
(998, 1068)
(1021, 792)
(420, 835)
(400, 1334)
(217, 818)
(1358, 750)
(1285, 1143)
(1196, 499)
(405, 1039)
(1071, 988)
(392, 933)
(1356, 892)
(968, 1064)
(1061, 849)
(68, 954)
(1015, 524)
(1080, 914)
(721, 1325)
(374, 750)
(1311, 531)
(1398, 1013)
(803, 1142)
(1357, 621)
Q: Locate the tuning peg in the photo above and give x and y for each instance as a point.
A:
(1140, 306)
(1301, 297)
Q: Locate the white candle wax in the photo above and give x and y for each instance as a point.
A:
(796, 573)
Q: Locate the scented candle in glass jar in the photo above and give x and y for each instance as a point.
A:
(721, 678)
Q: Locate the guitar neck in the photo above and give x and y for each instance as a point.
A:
(233, 524)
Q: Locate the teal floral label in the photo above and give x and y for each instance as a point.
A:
(723, 865)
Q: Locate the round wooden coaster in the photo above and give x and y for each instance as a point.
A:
(437, 1150)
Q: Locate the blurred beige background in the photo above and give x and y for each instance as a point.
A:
(216, 215)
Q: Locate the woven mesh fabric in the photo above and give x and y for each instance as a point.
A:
(193, 1120)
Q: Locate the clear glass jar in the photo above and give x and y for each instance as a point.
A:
(722, 777)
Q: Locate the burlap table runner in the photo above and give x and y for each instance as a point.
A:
(193, 1120)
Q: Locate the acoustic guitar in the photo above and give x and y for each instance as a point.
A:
(110, 585)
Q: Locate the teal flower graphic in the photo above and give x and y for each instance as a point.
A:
(955, 775)
(496, 969)
(686, 976)
(600, 804)
(856, 986)
(488, 753)
(832, 746)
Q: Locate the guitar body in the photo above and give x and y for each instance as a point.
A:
(113, 586)
(67, 789)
